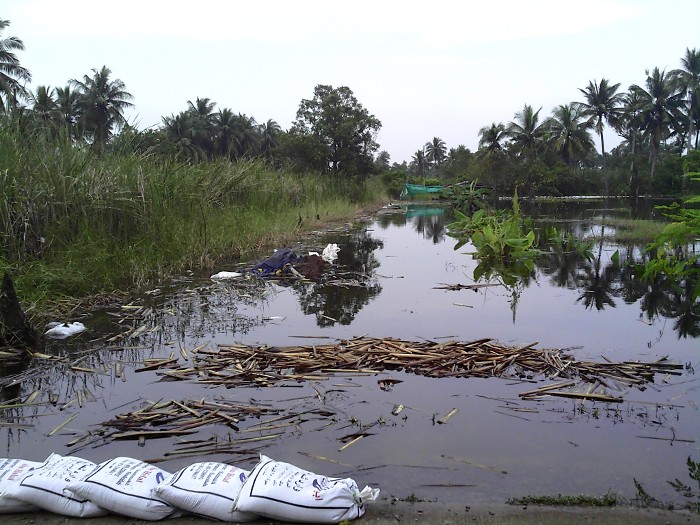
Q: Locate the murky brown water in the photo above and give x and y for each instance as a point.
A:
(494, 446)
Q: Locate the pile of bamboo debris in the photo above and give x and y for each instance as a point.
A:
(162, 419)
(234, 365)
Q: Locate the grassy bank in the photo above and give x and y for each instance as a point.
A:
(74, 224)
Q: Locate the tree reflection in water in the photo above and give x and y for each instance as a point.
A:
(514, 275)
(429, 222)
(598, 286)
(340, 303)
(601, 280)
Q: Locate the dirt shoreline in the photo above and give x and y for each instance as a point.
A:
(385, 513)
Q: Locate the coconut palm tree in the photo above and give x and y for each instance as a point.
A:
(492, 138)
(44, 106)
(661, 104)
(102, 102)
(689, 78)
(180, 131)
(203, 108)
(602, 106)
(44, 113)
(203, 124)
(436, 151)
(67, 104)
(247, 135)
(629, 127)
(569, 133)
(525, 132)
(224, 130)
(420, 163)
(270, 132)
(12, 74)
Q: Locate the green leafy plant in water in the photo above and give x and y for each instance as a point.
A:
(563, 242)
(674, 254)
(504, 251)
(496, 236)
(470, 198)
(465, 225)
(503, 239)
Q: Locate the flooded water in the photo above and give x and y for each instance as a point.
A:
(392, 278)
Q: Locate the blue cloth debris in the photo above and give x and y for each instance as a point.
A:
(279, 264)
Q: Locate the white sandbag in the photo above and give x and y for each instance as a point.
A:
(284, 492)
(125, 486)
(208, 489)
(11, 472)
(45, 486)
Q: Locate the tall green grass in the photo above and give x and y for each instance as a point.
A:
(74, 224)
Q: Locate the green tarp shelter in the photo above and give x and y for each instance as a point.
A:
(415, 189)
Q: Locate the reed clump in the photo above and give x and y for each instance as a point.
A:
(73, 223)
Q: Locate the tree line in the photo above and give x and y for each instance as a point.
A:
(334, 134)
(657, 122)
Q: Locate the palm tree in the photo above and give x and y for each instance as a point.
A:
(224, 130)
(629, 128)
(44, 105)
(661, 102)
(689, 78)
(44, 111)
(68, 106)
(436, 151)
(202, 108)
(569, 133)
(602, 106)
(11, 72)
(525, 132)
(203, 123)
(102, 102)
(247, 135)
(270, 133)
(420, 163)
(181, 132)
(491, 137)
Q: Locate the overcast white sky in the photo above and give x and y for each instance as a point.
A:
(424, 69)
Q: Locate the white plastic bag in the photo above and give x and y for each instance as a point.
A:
(208, 489)
(284, 492)
(124, 486)
(330, 253)
(63, 330)
(45, 486)
(11, 472)
(225, 275)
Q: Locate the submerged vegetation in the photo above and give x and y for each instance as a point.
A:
(632, 230)
(560, 500)
(642, 498)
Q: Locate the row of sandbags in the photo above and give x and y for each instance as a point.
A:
(76, 487)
